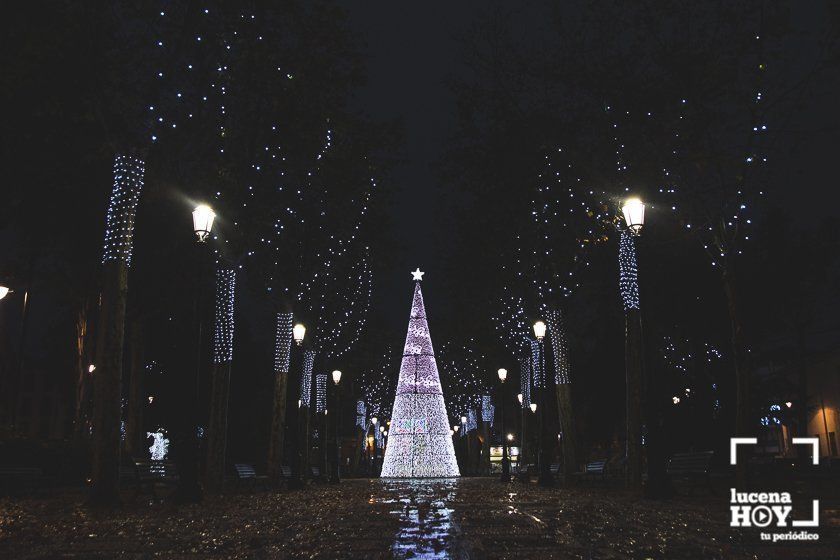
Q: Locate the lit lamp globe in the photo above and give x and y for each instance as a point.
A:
(374, 420)
(634, 215)
(533, 407)
(4, 291)
(203, 217)
(298, 332)
(455, 428)
(519, 398)
(336, 376)
(464, 420)
(539, 330)
(502, 374)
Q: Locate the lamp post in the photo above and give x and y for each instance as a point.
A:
(466, 436)
(373, 420)
(505, 460)
(633, 211)
(335, 472)
(189, 489)
(521, 474)
(545, 478)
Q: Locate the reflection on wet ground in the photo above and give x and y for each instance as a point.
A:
(427, 527)
(368, 519)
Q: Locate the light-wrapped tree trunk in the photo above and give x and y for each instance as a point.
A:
(119, 232)
(563, 391)
(282, 352)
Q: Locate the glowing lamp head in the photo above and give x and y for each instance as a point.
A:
(533, 407)
(298, 332)
(510, 437)
(91, 367)
(634, 215)
(502, 374)
(788, 404)
(382, 429)
(519, 398)
(539, 330)
(374, 420)
(463, 419)
(203, 217)
(455, 428)
(336, 376)
(4, 291)
(676, 400)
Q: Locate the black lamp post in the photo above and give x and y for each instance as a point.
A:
(335, 471)
(505, 460)
(545, 478)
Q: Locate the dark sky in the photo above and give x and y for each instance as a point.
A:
(412, 49)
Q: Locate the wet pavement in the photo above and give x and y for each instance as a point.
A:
(457, 518)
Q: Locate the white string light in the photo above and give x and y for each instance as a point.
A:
(223, 338)
(283, 342)
(628, 280)
(306, 378)
(122, 208)
(320, 392)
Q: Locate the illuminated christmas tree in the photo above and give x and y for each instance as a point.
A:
(419, 444)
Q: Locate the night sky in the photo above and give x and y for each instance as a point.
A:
(411, 53)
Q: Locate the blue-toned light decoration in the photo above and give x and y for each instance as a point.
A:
(559, 345)
(129, 172)
(223, 337)
(361, 414)
(283, 343)
(306, 378)
(536, 366)
(525, 380)
(488, 409)
(320, 392)
(628, 280)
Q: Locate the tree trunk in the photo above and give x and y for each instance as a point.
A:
(278, 427)
(217, 428)
(633, 367)
(136, 394)
(80, 418)
(485, 448)
(360, 450)
(282, 352)
(563, 392)
(107, 378)
(742, 378)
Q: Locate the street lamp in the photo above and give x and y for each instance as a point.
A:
(4, 291)
(298, 332)
(539, 330)
(545, 478)
(519, 397)
(455, 428)
(634, 215)
(203, 217)
(505, 459)
(335, 472)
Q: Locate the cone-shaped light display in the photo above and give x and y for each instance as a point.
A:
(419, 442)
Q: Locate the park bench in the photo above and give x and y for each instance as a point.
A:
(555, 469)
(285, 474)
(19, 480)
(247, 475)
(595, 470)
(153, 476)
(691, 469)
